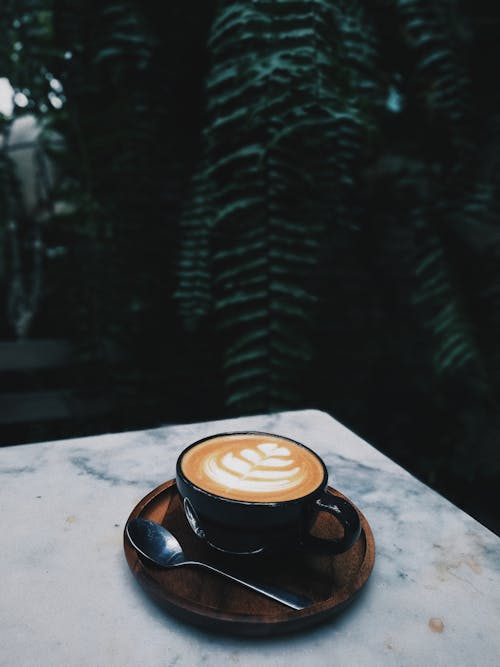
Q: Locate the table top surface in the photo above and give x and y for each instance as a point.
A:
(68, 597)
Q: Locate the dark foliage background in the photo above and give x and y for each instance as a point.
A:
(267, 205)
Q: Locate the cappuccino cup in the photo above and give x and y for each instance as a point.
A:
(252, 492)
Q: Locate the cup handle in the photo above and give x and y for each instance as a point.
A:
(346, 514)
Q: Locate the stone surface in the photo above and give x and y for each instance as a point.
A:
(68, 598)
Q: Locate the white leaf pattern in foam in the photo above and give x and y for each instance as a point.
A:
(252, 469)
(272, 448)
(272, 474)
(230, 481)
(251, 455)
(278, 463)
(236, 464)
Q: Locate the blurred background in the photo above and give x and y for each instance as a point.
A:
(211, 209)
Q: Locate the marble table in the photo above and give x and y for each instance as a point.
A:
(67, 597)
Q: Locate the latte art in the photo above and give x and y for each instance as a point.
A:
(253, 467)
(266, 467)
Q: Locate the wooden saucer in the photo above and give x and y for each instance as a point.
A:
(210, 601)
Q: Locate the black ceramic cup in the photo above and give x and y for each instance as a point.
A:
(251, 527)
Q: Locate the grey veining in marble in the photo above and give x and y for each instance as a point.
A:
(67, 597)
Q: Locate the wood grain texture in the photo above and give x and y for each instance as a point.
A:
(210, 601)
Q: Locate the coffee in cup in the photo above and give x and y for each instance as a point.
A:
(253, 468)
(250, 492)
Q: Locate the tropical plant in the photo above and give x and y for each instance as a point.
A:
(339, 172)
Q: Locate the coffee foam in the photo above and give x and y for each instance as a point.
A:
(253, 467)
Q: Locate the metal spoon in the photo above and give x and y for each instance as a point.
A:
(158, 545)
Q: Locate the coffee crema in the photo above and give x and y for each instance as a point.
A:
(253, 467)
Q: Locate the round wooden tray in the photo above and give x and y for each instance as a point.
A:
(210, 601)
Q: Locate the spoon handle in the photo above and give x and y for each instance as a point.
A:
(293, 600)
